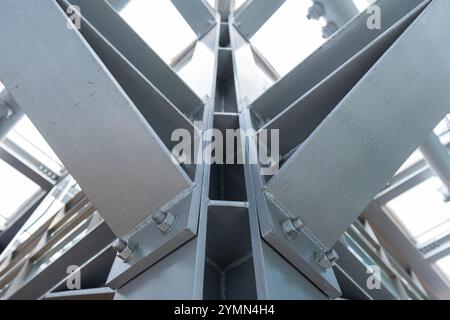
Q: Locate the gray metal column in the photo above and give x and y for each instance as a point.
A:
(437, 156)
(225, 8)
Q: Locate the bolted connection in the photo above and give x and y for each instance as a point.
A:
(124, 249)
(326, 259)
(292, 227)
(165, 221)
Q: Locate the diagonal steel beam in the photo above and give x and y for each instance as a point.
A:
(198, 14)
(396, 241)
(86, 117)
(253, 14)
(125, 40)
(340, 48)
(349, 158)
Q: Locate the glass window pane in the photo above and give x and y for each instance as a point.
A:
(288, 37)
(15, 189)
(422, 211)
(160, 25)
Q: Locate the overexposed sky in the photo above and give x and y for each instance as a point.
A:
(160, 24)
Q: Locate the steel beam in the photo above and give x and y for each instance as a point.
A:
(346, 43)
(86, 294)
(253, 14)
(225, 8)
(158, 111)
(437, 156)
(394, 240)
(312, 108)
(350, 268)
(351, 156)
(23, 288)
(125, 40)
(198, 15)
(85, 116)
(278, 259)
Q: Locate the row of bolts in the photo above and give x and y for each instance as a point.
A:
(166, 220)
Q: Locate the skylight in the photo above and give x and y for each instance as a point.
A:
(160, 25)
(422, 211)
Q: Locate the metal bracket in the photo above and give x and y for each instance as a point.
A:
(141, 248)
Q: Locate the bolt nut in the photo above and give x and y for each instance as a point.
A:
(124, 249)
(165, 221)
(292, 227)
(326, 259)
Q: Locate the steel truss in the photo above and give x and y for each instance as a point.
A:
(348, 116)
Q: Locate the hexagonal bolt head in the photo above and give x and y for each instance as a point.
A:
(165, 221)
(292, 227)
(124, 249)
(327, 259)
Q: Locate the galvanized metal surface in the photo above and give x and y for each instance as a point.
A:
(229, 239)
(66, 88)
(351, 156)
(313, 107)
(251, 16)
(350, 40)
(198, 15)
